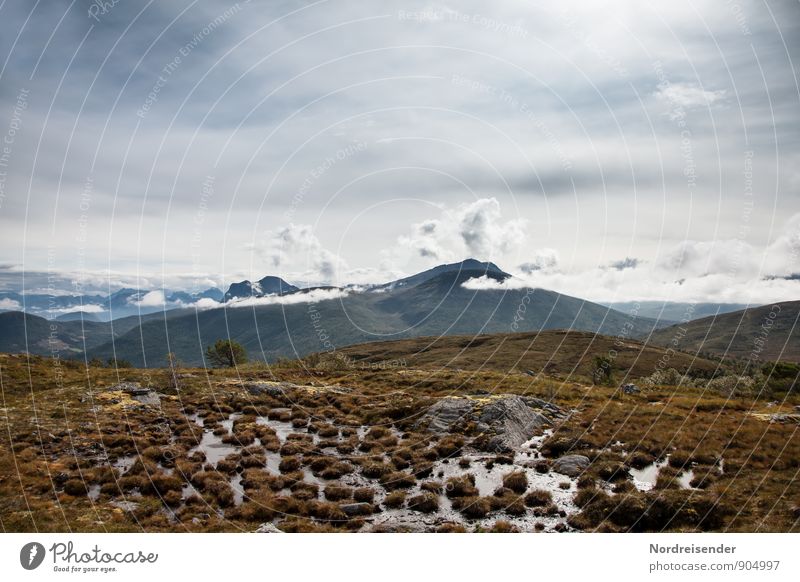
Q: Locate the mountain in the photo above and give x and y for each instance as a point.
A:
(185, 297)
(674, 312)
(78, 316)
(433, 303)
(769, 332)
(23, 332)
(464, 266)
(269, 285)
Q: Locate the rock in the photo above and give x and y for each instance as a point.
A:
(442, 416)
(355, 509)
(270, 388)
(506, 421)
(139, 393)
(630, 389)
(512, 421)
(268, 528)
(571, 465)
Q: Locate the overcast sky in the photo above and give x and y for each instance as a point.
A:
(610, 150)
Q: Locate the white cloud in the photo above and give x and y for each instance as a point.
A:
(295, 253)
(10, 304)
(87, 308)
(314, 296)
(152, 299)
(474, 229)
(688, 95)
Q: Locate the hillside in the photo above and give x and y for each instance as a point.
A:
(557, 352)
(437, 306)
(21, 332)
(769, 332)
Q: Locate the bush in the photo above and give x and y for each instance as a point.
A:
(462, 486)
(424, 502)
(474, 507)
(395, 499)
(538, 498)
(517, 481)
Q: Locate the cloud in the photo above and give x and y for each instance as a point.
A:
(10, 304)
(86, 308)
(688, 95)
(733, 257)
(294, 251)
(626, 263)
(314, 296)
(474, 229)
(543, 259)
(152, 299)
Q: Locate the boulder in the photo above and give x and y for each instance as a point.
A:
(270, 388)
(505, 421)
(442, 416)
(512, 422)
(571, 465)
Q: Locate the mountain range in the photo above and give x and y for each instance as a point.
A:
(272, 318)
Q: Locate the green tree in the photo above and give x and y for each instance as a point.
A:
(226, 353)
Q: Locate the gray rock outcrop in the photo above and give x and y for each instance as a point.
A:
(505, 421)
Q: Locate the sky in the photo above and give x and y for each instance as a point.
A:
(609, 150)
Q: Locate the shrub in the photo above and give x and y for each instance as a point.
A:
(517, 481)
(462, 486)
(395, 499)
(364, 495)
(398, 480)
(75, 487)
(424, 502)
(289, 464)
(538, 498)
(474, 507)
(504, 527)
(337, 492)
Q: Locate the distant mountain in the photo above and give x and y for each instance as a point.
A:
(769, 332)
(269, 285)
(78, 316)
(675, 312)
(433, 303)
(23, 332)
(185, 297)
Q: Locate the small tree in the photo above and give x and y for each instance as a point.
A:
(602, 373)
(226, 353)
(172, 372)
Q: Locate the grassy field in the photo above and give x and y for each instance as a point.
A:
(338, 448)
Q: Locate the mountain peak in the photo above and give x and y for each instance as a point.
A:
(470, 264)
(269, 285)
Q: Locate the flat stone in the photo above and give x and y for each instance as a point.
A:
(570, 465)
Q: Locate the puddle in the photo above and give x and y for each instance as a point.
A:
(238, 491)
(124, 463)
(645, 479)
(212, 445)
(282, 428)
(94, 492)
